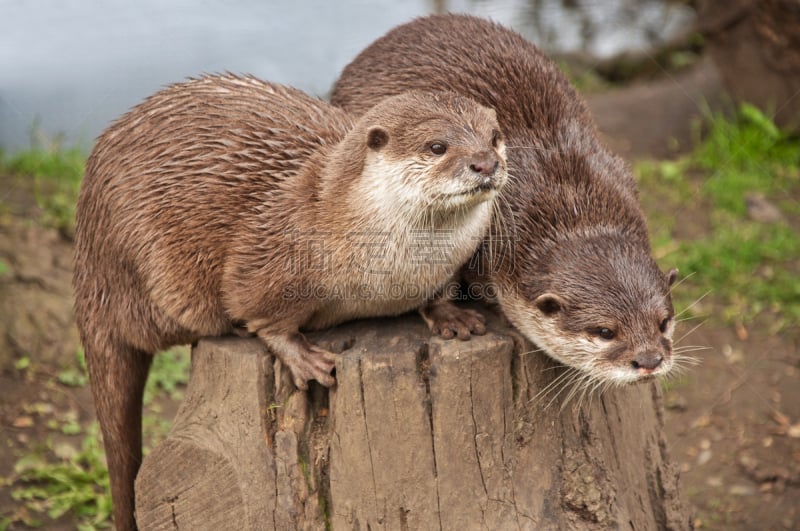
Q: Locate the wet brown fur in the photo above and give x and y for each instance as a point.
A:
(576, 241)
(183, 217)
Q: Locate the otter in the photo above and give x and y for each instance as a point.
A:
(226, 203)
(574, 273)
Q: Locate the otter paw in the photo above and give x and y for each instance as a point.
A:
(305, 361)
(449, 321)
(313, 364)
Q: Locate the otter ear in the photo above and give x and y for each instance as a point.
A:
(672, 276)
(549, 303)
(377, 137)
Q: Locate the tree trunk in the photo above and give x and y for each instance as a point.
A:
(420, 433)
(756, 46)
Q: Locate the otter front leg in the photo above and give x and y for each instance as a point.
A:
(444, 318)
(304, 360)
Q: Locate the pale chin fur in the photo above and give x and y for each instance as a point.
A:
(467, 200)
(406, 189)
(384, 183)
(578, 352)
(422, 244)
(540, 331)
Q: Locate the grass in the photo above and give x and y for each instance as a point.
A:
(54, 479)
(750, 267)
(54, 175)
(77, 483)
(168, 375)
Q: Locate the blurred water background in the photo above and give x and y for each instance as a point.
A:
(69, 67)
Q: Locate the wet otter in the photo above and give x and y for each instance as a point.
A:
(219, 201)
(576, 274)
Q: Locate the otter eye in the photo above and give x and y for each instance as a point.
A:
(664, 324)
(603, 333)
(438, 148)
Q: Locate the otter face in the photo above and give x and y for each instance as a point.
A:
(604, 308)
(438, 151)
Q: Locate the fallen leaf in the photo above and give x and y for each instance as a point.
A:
(781, 419)
(704, 457)
(794, 431)
(741, 332)
(23, 421)
(702, 421)
(742, 490)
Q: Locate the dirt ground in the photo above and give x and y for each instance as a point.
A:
(733, 421)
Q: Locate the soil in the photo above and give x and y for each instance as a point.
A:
(733, 421)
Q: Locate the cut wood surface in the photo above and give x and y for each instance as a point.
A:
(419, 433)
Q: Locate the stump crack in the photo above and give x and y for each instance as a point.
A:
(171, 501)
(424, 375)
(475, 444)
(277, 496)
(366, 432)
(506, 435)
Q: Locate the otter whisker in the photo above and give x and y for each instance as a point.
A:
(537, 148)
(689, 348)
(586, 392)
(691, 318)
(700, 298)
(597, 389)
(582, 378)
(497, 221)
(511, 177)
(690, 331)
(558, 384)
(682, 359)
(536, 351)
(555, 367)
(554, 383)
(682, 280)
(498, 231)
(678, 370)
(570, 385)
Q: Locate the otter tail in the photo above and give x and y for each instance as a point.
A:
(118, 375)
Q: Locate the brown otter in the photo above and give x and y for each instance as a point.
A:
(576, 274)
(227, 200)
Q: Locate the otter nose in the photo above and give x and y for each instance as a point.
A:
(648, 360)
(484, 164)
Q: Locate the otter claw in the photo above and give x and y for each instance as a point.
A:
(314, 364)
(305, 361)
(449, 321)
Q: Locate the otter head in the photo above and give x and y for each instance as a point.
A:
(603, 306)
(433, 152)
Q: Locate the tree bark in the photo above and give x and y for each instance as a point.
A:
(419, 433)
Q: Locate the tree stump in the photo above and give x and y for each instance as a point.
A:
(419, 433)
